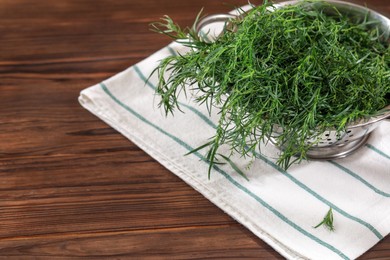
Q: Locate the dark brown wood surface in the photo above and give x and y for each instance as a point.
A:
(70, 186)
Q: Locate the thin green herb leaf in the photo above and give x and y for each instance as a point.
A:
(327, 221)
(234, 166)
(199, 148)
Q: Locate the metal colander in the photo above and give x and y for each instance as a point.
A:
(333, 144)
(330, 144)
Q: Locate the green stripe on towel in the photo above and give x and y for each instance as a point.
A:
(357, 177)
(377, 151)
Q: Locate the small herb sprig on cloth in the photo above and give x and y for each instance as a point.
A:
(327, 222)
(296, 68)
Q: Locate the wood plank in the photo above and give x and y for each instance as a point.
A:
(172, 243)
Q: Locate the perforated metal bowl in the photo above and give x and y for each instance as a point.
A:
(333, 144)
(330, 144)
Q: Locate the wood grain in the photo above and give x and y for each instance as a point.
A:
(72, 187)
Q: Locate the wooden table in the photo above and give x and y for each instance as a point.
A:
(70, 185)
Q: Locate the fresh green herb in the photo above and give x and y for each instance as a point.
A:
(234, 166)
(327, 221)
(296, 68)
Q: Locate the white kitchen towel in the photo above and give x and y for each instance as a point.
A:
(281, 207)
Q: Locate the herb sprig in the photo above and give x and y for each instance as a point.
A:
(327, 222)
(293, 68)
